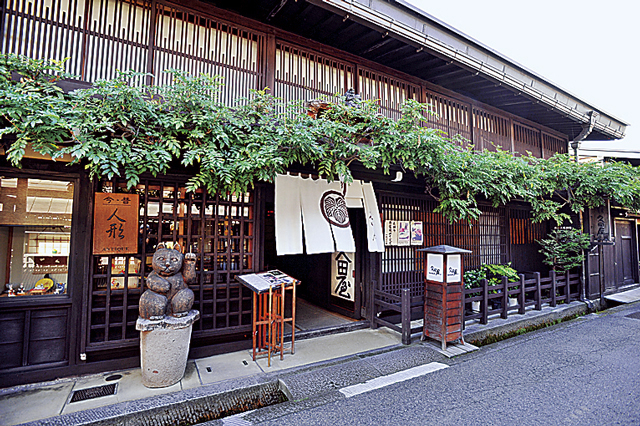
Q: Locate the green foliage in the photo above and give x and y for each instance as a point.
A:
(564, 249)
(492, 273)
(119, 128)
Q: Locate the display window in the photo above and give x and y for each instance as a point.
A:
(35, 235)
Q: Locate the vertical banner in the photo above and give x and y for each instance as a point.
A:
(343, 276)
(435, 263)
(115, 223)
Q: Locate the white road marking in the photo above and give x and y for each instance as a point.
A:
(390, 379)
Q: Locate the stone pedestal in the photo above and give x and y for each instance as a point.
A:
(164, 347)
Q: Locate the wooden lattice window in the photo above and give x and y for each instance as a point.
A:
(301, 75)
(525, 139)
(491, 131)
(552, 145)
(402, 267)
(389, 92)
(451, 116)
(219, 229)
(83, 31)
(199, 45)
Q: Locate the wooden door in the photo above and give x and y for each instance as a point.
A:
(626, 248)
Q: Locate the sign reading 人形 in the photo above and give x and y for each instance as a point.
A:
(342, 276)
(115, 223)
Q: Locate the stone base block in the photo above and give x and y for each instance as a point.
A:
(164, 347)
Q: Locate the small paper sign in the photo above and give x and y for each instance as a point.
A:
(404, 233)
(453, 268)
(434, 267)
(417, 238)
(391, 233)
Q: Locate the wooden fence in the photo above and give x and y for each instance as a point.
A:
(502, 299)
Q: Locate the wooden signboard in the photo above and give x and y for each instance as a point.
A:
(115, 223)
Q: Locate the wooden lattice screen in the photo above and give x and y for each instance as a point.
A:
(552, 145)
(101, 37)
(402, 267)
(220, 230)
(301, 75)
(199, 45)
(525, 139)
(389, 92)
(491, 131)
(450, 116)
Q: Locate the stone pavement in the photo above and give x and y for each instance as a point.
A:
(219, 384)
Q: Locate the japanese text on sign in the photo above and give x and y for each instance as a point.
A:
(342, 276)
(115, 223)
(435, 265)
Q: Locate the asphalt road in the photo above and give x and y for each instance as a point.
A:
(582, 372)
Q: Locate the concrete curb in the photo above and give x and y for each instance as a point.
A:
(498, 328)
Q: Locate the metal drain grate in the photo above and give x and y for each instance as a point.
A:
(91, 393)
(635, 315)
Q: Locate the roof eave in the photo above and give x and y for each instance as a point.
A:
(412, 25)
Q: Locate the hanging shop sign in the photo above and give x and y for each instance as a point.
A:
(600, 221)
(343, 275)
(115, 223)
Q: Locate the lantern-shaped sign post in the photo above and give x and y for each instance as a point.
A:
(443, 294)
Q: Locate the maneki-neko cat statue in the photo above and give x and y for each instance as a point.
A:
(167, 291)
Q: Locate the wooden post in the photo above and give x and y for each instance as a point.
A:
(293, 320)
(568, 300)
(254, 331)
(485, 302)
(521, 297)
(281, 320)
(505, 298)
(444, 314)
(538, 293)
(552, 274)
(405, 305)
(270, 319)
(372, 304)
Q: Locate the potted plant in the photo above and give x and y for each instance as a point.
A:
(495, 274)
(472, 280)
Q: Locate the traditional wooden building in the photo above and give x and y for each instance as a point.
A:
(385, 50)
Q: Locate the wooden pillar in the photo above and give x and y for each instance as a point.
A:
(485, 302)
(521, 298)
(538, 293)
(269, 64)
(406, 316)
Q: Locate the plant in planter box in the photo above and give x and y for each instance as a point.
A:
(472, 280)
(493, 273)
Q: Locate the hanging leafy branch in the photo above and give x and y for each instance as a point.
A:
(118, 128)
